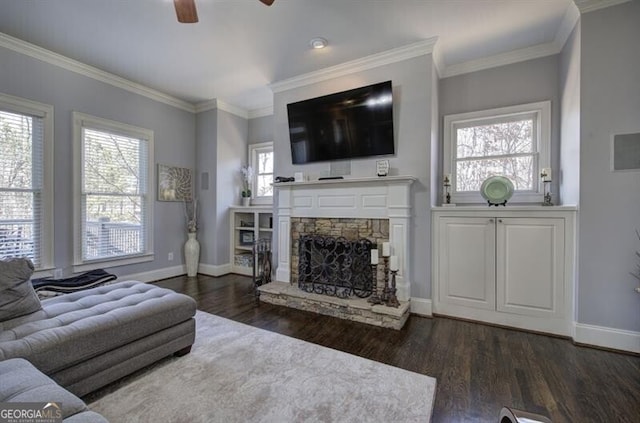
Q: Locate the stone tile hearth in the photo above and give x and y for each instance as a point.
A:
(356, 309)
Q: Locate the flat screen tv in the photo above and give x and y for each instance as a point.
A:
(345, 125)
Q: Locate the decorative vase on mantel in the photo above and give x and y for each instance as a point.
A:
(192, 254)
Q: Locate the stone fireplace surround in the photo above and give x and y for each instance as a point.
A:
(378, 208)
(385, 198)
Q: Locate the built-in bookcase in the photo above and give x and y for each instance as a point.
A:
(247, 225)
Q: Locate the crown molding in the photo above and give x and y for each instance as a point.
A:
(206, 105)
(569, 21)
(221, 105)
(515, 56)
(261, 112)
(234, 110)
(368, 62)
(67, 63)
(587, 6)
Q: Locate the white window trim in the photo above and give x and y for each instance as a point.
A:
(79, 121)
(45, 111)
(254, 149)
(542, 111)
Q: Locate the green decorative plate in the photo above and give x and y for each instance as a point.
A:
(497, 190)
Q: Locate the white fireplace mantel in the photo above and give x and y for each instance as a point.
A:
(367, 198)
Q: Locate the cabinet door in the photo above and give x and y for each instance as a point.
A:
(530, 266)
(466, 261)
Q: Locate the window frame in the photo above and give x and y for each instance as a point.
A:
(254, 150)
(80, 122)
(541, 111)
(45, 112)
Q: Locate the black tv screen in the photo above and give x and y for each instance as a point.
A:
(349, 124)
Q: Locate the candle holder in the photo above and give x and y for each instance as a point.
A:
(547, 194)
(546, 187)
(393, 300)
(447, 187)
(384, 297)
(375, 296)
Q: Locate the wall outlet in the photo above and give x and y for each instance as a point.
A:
(170, 257)
(57, 274)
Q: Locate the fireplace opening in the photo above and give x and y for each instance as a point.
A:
(335, 266)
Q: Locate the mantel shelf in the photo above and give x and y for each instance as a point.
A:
(380, 180)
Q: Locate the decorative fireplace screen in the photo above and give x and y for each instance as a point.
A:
(335, 266)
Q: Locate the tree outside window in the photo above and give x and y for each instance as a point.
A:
(261, 157)
(26, 174)
(511, 141)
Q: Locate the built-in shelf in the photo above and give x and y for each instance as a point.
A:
(259, 218)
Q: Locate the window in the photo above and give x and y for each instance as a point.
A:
(26, 180)
(261, 159)
(510, 141)
(114, 194)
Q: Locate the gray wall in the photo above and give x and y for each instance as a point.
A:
(609, 202)
(261, 129)
(570, 118)
(411, 81)
(206, 158)
(518, 83)
(174, 132)
(231, 155)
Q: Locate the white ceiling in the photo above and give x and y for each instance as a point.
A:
(239, 47)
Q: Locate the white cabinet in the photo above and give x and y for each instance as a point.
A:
(530, 266)
(247, 225)
(509, 266)
(467, 266)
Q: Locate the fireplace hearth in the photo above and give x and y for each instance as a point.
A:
(335, 266)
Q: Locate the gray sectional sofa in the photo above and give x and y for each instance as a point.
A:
(88, 339)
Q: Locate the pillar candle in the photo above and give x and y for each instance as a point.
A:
(547, 172)
(393, 263)
(386, 249)
(374, 256)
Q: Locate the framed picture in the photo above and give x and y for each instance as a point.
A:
(174, 183)
(246, 237)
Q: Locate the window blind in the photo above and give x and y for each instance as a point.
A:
(114, 195)
(21, 185)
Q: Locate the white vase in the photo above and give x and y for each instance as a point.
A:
(192, 254)
(246, 201)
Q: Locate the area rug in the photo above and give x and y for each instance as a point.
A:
(238, 373)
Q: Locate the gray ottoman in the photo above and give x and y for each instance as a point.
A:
(88, 339)
(21, 382)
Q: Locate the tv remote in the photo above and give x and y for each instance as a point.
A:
(324, 178)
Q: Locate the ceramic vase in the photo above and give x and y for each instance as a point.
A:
(192, 254)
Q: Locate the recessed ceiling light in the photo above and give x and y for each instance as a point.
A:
(318, 42)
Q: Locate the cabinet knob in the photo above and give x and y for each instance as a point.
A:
(490, 220)
(499, 220)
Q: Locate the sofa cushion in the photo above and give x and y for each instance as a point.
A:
(17, 297)
(85, 324)
(21, 382)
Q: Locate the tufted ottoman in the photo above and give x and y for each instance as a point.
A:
(21, 382)
(88, 339)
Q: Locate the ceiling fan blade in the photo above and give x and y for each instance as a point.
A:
(186, 11)
(267, 2)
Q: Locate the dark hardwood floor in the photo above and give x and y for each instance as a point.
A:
(479, 368)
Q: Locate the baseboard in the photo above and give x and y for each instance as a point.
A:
(214, 269)
(617, 339)
(154, 275)
(421, 306)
